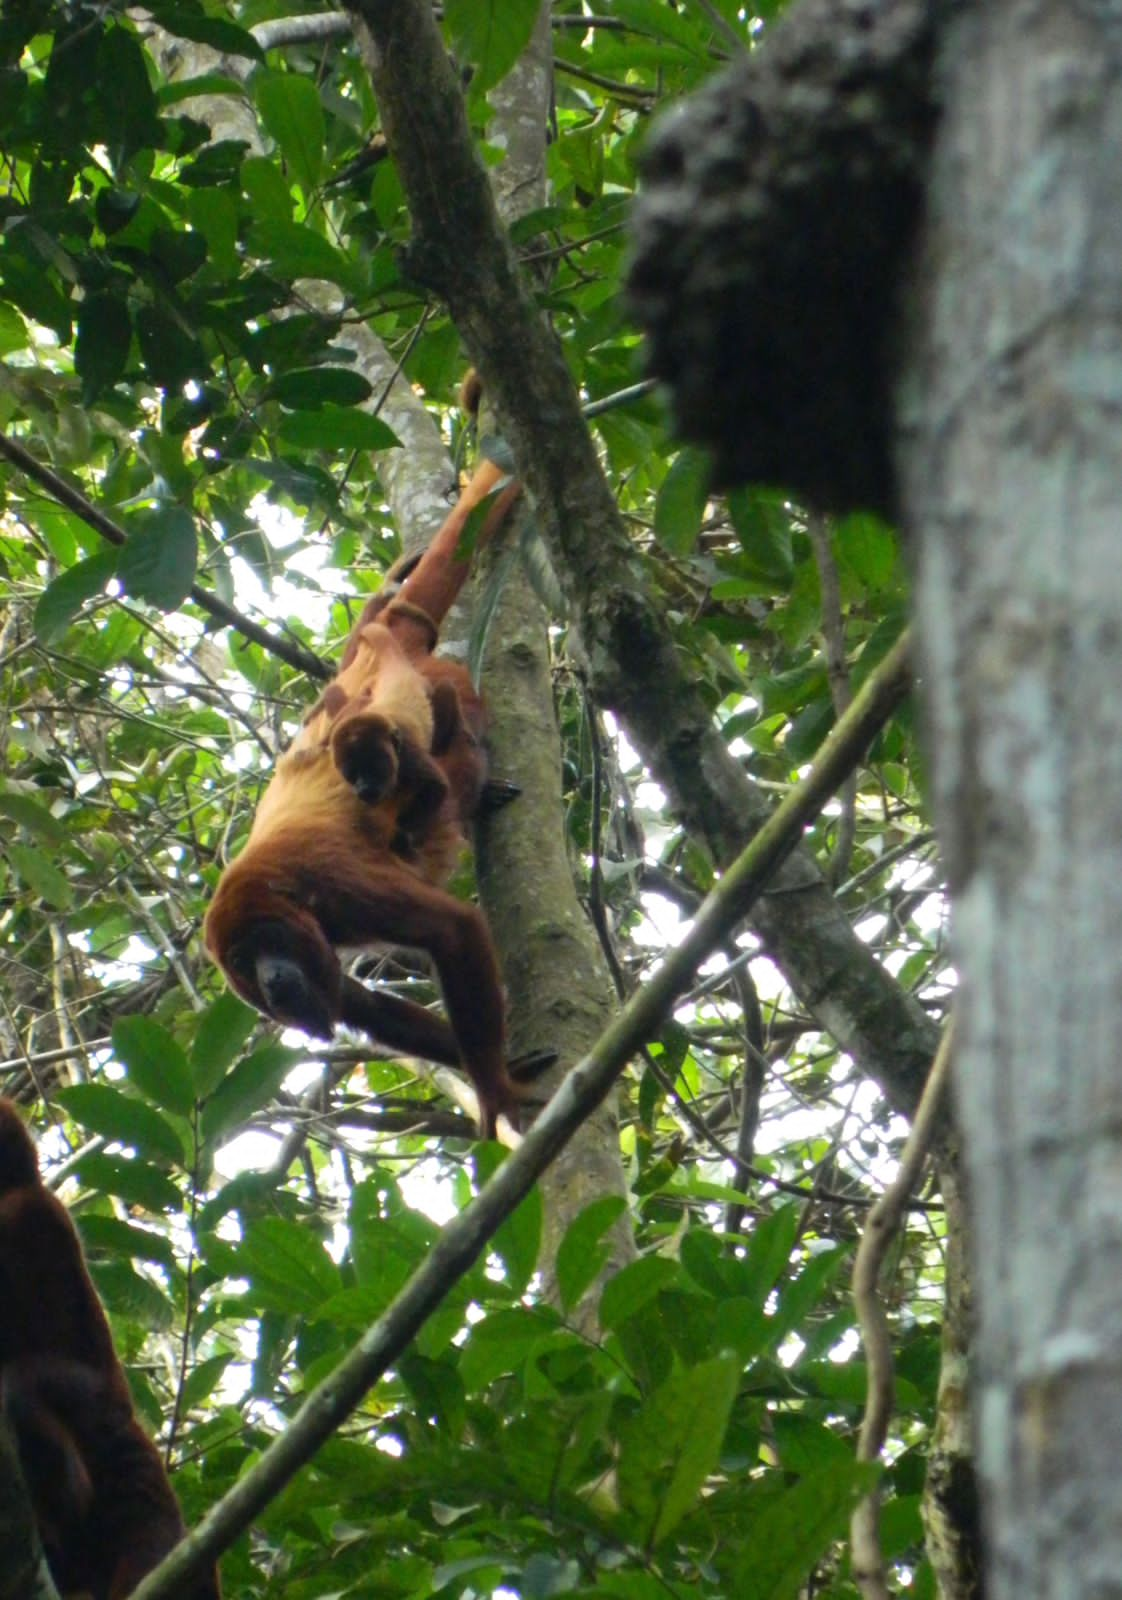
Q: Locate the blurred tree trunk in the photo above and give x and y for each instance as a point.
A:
(560, 991)
(1011, 461)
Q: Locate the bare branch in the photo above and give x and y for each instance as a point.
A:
(880, 1229)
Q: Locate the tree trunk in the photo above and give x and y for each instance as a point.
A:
(1011, 471)
(560, 992)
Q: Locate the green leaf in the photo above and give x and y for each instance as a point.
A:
(137, 1183)
(202, 1380)
(223, 1029)
(65, 595)
(101, 348)
(333, 428)
(634, 1285)
(292, 112)
(681, 502)
(158, 562)
(252, 1083)
(41, 875)
(517, 1241)
(867, 548)
(491, 34)
(179, 252)
(104, 1109)
(785, 1541)
(287, 1266)
(581, 1253)
(264, 183)
(503, 1343)
(672, 1445)
(773, 1239)
(220, 33)
(13, 331)
(155, 1063)
(128, 1294)
(309, 388)
(32, 815)
(295, 251)
(129, 105)
(171, 352)
(112, 1236)
(763, 526)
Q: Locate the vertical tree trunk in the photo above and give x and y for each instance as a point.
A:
(560, 992)
(1011, 459)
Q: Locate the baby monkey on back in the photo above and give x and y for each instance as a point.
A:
(362, 826)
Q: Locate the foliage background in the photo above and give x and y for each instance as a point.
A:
(180, 311)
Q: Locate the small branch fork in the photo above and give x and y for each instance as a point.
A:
(881, 1227)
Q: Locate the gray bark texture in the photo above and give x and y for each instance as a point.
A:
(1005, 334)
(560, 992)
(1011, 478)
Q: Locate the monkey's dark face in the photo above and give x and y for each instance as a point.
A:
(290, 972)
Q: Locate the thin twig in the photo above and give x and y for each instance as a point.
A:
(881, 1226)
(65, 494)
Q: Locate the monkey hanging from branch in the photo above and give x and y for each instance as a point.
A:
(104, 1506)
(360, 830)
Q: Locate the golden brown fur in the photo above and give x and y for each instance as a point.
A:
(362, 825)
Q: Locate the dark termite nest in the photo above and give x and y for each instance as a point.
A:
(770, 239)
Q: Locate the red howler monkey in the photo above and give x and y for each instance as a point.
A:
(362, 826)
(105, 1509)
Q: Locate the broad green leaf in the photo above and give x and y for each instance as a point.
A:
(787, 1539)
(112, 1236)
(158, 562)
(335, 428)
(763, 525)
(155, 1063)
(583, 1252)
(252, 1083)
(65, 595)
(287, 1266)
(491, 34)
(308, 388)
(769, 1251)
(137, 1183)
(105, 1109)
(503, 1343)
(681, 501)
(223, 1029)
(669, 1448)
(101, 348)
(634, 1285)
(171, 351)
(264, 183)
(129, 107)
(292, 112)
(203, 1378)
(218, 32)
(299, 252)
(13, 331)
(517, 1241)
(40, 874)
(128, 1294)
(32, 815)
